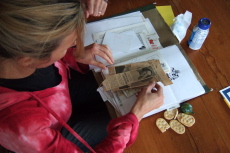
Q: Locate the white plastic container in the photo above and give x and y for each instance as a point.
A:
(199, 34)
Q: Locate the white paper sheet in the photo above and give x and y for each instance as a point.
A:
(135, 44)
(117, 43)
(186, 86)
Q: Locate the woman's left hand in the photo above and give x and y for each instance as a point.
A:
(88, 56)
(95, 7)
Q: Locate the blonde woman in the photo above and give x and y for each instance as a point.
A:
(48, 98)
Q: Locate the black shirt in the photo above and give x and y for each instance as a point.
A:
(41, 79)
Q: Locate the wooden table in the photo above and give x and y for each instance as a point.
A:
(211, 132)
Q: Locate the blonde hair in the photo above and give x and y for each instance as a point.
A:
(35, 28)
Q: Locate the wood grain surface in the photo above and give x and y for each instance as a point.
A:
(211, 132)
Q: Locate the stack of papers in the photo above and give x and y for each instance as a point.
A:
(132, 38)
(127, 36)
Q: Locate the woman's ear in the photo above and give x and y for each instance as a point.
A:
(26, 62)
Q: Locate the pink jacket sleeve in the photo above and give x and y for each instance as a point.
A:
(122, 132)
(69, 61)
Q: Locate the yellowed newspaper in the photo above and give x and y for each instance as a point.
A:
(134, 75)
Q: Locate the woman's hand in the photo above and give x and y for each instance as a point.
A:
(95, 7)
(90, 51)
(150, 98)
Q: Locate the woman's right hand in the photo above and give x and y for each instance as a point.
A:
(148, 99)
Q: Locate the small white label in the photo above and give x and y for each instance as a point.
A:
(174, 107)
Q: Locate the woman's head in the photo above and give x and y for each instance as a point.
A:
(32, 28)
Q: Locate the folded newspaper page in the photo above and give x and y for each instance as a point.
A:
(135, 75)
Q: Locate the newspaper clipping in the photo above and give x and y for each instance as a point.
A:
(132, 76)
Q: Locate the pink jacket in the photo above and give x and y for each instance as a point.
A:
(30, 122)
